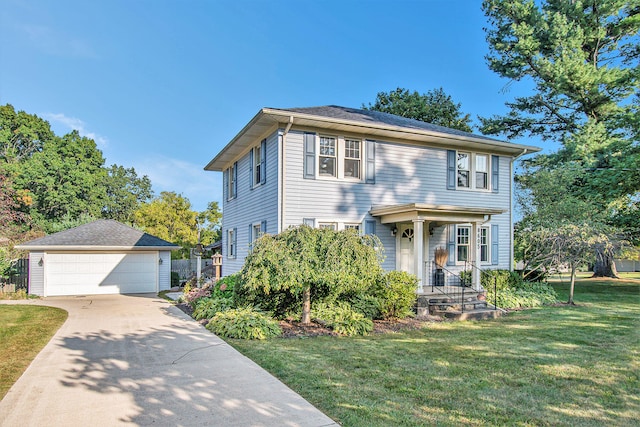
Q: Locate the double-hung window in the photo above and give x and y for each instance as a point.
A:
(257, 160)
(328, 156)
(482, 171)
(484, 244)
(463, 243)
(232, 181)
(352, 158)
(463, 170)
(232, 243)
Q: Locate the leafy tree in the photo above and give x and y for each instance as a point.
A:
(305, 262)
(169, 217)
(21, 134)
(65, 178)
(435, 107)
(209, 222)
(582, 58)
(125, 192)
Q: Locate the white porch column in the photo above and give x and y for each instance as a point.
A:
(475, 256)
(418, 251)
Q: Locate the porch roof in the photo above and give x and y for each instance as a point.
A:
(429, 212)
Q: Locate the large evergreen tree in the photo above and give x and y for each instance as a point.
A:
(582, 58)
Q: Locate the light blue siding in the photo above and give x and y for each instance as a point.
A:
(252, 204)
(36, 273)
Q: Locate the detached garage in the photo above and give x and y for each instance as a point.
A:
(101, 257)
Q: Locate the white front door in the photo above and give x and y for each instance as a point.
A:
(405, 245)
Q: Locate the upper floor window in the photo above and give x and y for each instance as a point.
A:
(257, 162)
(327, 158)
(352, 158)
(232, 181)
(472, 171)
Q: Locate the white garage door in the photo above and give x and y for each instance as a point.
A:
(100, 273)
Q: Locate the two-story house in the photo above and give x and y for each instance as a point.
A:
(415, 185)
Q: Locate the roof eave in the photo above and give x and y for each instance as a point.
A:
(269, 117)
(94, 248)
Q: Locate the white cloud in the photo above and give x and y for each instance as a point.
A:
(73, 123)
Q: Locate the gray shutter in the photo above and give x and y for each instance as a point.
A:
(235, 180)
(370, 165)
(495, 173)
(250, 239)
(251, 174)
(235, 242)
(311, 222)
(451, 244)
(451, 169)
(225, 182)
(263, 226)
(494, 244)
(263, 161)
(370, 226)
(309, 155)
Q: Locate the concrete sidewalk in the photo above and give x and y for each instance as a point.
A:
(138, 360)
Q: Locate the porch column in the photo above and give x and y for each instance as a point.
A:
(418, 251)
(475, 256)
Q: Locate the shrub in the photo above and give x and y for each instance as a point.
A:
(226, 286)
(397, 294)
(175, 279)
(244, 323)
(342, 319)
(367, 305)
(206, 308)
(192, 296)
(513, 292)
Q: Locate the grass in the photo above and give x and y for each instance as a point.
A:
(24, 331)
(560, 366)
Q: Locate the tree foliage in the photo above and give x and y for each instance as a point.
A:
(125, 192)
(306, 263)
(21, 134)
(435, 107)
(582, 58)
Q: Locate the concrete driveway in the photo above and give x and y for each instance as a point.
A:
(138, 360)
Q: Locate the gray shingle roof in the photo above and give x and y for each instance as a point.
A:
(101, 233)
(376, 117)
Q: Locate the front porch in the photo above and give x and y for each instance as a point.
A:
(421, 228)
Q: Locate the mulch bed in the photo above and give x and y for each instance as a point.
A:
(295, 329)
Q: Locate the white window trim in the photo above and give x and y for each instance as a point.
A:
(255, 236)
(472, 172)
(232, 250)
(257, 181)
(472, 242)
(488, 244)
(340, 158)
(468, 245)
(231, 182)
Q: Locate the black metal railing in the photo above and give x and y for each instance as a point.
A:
(454, 286)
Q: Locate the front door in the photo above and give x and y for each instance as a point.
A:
(405, 258)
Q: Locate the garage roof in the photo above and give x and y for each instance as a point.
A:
(103, 234)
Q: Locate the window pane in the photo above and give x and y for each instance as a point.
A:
(462, 253)
(327, 166)
(352, 168)
(352, 227)
(327, 146)
(481, 180)
(330, 225)
(463, 178)
(463, 161)
(481, 163)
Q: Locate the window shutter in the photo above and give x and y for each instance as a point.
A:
(495, 173)
(235, 180)
(370, 165)
(311, 222)
(370, 226)
(451, 244)
(263, 161)
(235, 243)
(251, 171)
(451, 170)
(494, 244)
(225, 186)
(263, 226)
(309, 155)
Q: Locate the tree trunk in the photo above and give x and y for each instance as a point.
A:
(306, 305)
(604, 266)
(573, 283)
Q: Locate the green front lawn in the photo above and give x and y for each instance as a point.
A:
(548, 366)
(24, 331)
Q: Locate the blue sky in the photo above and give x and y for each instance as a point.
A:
(163, 85)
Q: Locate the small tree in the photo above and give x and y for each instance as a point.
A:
(307, 262)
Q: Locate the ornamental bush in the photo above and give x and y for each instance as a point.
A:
(244, 323)
(513, 292)
(397, 294)
(342, 319)
(367, 305)
(206, 308)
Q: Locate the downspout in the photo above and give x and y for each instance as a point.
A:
(511, 251)
(283, 170)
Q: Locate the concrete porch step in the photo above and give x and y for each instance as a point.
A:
(478, 314)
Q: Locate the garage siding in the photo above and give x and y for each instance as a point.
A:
(164, 273)
(36, 273)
